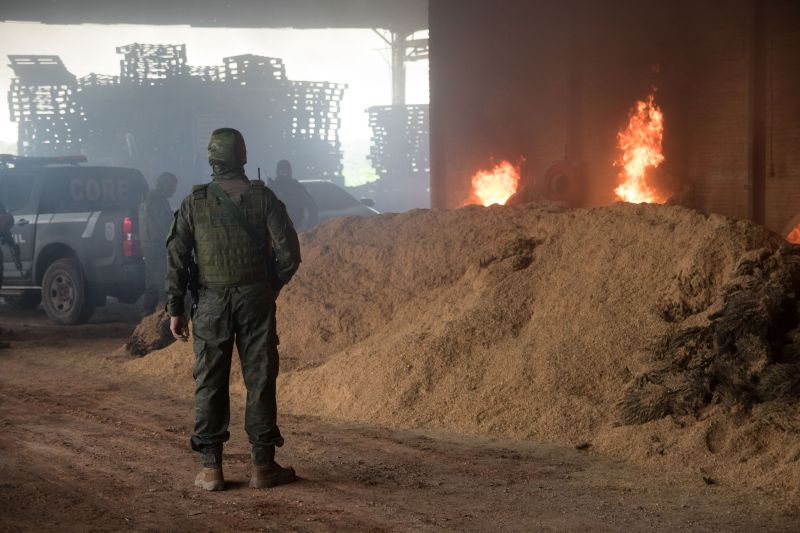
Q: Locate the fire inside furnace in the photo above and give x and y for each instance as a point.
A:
(640, 146)
(794, 235)
(495, 186)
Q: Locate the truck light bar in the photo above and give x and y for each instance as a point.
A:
(7, 160)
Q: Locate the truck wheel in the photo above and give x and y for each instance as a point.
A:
(64, 294)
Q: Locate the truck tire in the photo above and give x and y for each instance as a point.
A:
(64, 294)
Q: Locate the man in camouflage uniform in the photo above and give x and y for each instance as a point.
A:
(155, 217)
(246, 250)
(301, 206)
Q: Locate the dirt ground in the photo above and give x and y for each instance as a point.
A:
(82, 448)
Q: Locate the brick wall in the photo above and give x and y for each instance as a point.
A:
(495, 94)
(783, 113)
(500, 77)
(716, 122)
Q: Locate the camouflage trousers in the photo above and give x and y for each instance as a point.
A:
(155, 274)
(244, 316)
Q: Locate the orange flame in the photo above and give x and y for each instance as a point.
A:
(794, 235)
(640, 144)
(495, 186)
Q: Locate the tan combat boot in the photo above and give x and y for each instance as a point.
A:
(210, 478)
(271, 475)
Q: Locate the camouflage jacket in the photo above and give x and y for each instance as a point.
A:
(180, 241)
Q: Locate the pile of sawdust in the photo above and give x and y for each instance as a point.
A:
(151, 334)
(657, 334)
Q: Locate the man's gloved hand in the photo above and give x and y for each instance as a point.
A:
(179, 327)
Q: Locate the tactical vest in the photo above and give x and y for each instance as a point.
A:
(226, 255)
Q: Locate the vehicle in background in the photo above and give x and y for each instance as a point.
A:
(333, 201)
(77, 230)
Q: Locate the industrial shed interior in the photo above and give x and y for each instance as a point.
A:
(578, 308)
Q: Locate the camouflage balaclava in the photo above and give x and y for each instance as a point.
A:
(227, 151)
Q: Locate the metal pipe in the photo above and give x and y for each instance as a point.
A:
(399, 67)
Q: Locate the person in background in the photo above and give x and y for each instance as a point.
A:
(155, 217)
(301, 206)
(6, 222)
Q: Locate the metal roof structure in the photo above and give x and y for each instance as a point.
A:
(397, 15)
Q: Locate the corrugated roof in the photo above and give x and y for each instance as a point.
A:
(401, 15)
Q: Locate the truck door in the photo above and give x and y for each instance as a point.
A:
(16, 194)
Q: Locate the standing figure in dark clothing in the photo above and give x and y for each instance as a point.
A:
(234, 237)
(301, 206)
(6, 222)
(155, 217)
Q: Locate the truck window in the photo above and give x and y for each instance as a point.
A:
(15, 191)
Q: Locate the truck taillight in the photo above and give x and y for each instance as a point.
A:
(131, 247)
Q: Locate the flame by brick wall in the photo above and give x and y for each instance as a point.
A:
(493, 96)
(500, 88)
